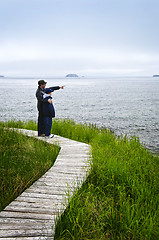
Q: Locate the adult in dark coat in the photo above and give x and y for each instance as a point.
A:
(40, 100)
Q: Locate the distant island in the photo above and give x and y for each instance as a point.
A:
(155, 75)
(72, 75)
(1, 76)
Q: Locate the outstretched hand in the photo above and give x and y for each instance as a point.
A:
(62, 87)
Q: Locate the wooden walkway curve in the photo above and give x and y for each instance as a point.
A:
(32, 215)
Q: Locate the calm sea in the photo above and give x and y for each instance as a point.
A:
(128, 105)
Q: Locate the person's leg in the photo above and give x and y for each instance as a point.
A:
(41, 128)
(48, 125)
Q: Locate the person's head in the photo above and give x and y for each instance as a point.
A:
(48, 91)
(42, 84)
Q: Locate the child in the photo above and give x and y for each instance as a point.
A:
(48, 113)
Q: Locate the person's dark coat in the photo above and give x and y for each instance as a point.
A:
(39, 96)
(48, 109)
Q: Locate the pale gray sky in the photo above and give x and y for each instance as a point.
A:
(87, 37)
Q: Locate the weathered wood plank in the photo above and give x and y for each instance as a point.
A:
(26, 226)
(36, 201)
(47, 192)
(70, 165)
(40, 198)
(68, 182)
(49, 177)
(43, 205)
(69, 170)
(27, 233)
(29, 238)
(28, 215)
(37, 210)
(56, 184)
(65, 174)
(14, 221)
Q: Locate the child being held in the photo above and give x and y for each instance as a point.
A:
(48, 113)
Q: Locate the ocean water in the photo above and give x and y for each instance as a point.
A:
(128, 105)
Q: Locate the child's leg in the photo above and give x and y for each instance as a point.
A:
(48, 125)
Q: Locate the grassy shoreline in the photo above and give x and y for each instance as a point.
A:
(119, 199)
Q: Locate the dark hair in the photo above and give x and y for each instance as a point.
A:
(41, 82)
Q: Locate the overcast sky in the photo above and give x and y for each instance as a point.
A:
(87, 37)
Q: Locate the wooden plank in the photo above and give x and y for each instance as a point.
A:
(65, 174)
(39, 197)
(75, 155)
(32, 233)
(36, 205)
(38, 210)
(29, 238)
(36, 202)
(69, 170)
(47, 192)
(45, 187)
(61, 176)
(55, 184)
(60, 181)
(27, 226)
(6, 221)
(69, 163)
(28, 215)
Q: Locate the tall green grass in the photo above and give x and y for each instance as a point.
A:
(119, 199)
(22, 161)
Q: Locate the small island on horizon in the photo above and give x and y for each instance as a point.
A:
(1, 76)
(72, 75)
(155, 75)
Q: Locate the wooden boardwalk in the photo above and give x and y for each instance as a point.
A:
(32, 215)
